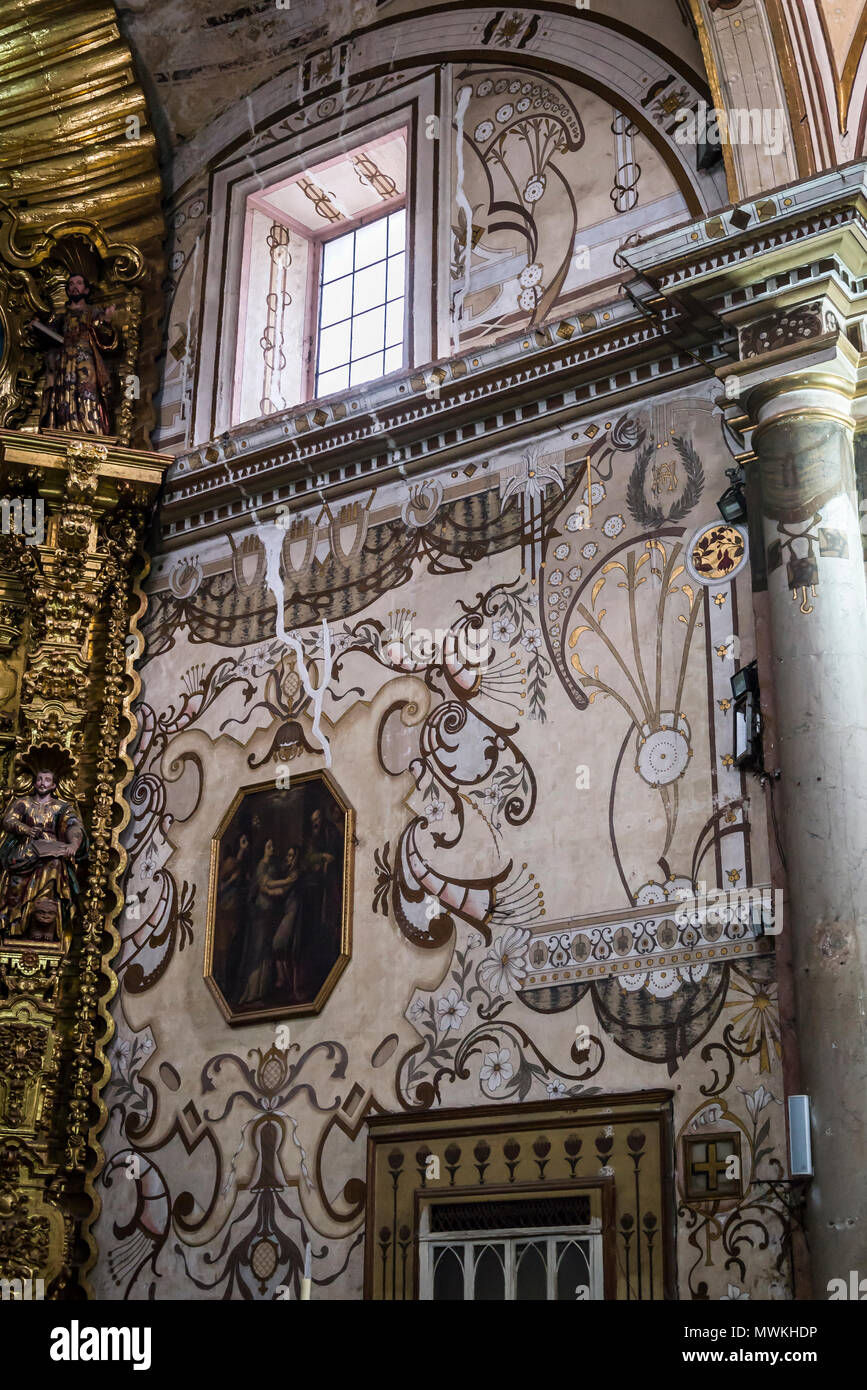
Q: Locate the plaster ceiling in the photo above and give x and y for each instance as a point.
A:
(196, 58)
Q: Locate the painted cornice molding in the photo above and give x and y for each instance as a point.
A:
(806, 242)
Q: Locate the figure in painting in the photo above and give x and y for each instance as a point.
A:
(231, 887)
(38, 885)
(286, 938)
(77, 392)
(263, 963)
(323, 892)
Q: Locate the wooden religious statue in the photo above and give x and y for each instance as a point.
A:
(43, 836)
(77, 392)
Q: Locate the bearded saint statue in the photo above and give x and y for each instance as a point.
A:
(77, 392)
(38, 887)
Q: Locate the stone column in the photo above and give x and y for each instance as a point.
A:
(818, 606)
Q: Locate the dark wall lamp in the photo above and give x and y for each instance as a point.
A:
(747, 751)
(733, 503)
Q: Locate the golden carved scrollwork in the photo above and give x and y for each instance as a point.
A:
(68, 602)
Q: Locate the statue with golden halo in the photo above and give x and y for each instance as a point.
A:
(43, 838)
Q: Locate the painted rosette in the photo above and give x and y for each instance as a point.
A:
(662, 754)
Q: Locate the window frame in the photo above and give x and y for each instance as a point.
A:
(429, 1241)
(257, 200)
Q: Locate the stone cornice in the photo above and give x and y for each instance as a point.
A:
(806, 242)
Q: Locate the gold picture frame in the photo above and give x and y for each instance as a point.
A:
(250, 980)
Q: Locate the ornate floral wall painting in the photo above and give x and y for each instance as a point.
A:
(280, 899)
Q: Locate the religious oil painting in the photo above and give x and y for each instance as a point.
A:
(280, 901)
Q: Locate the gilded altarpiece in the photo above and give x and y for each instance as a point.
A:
(75, 506)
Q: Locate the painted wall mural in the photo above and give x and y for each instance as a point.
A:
(545, 226)
(529, 711)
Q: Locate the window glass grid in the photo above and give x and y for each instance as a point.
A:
(361, 304)
(565, 1265)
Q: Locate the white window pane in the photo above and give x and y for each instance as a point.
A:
(370, 287)
(448, 1275)
(489, 1283)
(370, 243)
(394, 323)
(368, 333)
(532, 1268)
(397, 231)
(337, 257)
(368, 369)
(336, 300)
(337, 380)
(573, 1270)
(395, 275)
(333, 347)
(393, 359)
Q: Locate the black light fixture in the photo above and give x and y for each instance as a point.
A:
(747, 751)
(733, 503)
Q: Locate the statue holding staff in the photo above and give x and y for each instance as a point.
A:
(43, 835)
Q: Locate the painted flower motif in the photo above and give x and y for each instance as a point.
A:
(561, 550)
(147, 1045)
(532, 639)
(531, 274)
(575, 573)
(417, 1010)
(523, 105)
(474, 941)
(483, 131)
(504, 629)
(527, 298)
(555, 629)
(180, 219)
(535, 189)
(579, 520)
(597, 494)
(122, 1048)
(755, 1101)
(196, 208)
(589, 550)
(734, 1292)
(531, 478)
(434, 810)
(515, 86)
(555, 1090)
(725, 705)
(556, 577)
(501, 85)
(497, 1069)
(505, 112)
(613, 525)
(176, 260)
(451, 1010)
(485, 87)
(505, 966)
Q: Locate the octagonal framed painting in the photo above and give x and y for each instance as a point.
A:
(279, 933)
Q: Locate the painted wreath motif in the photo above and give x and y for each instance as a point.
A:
(652, 516)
